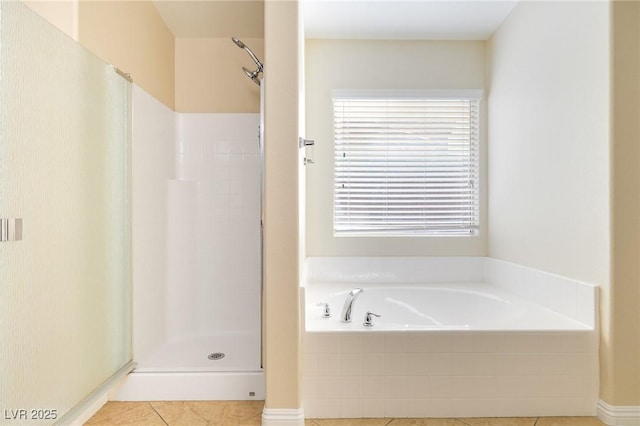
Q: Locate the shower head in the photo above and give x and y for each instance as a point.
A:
(238, 43)
(252, 75)
(241, 45)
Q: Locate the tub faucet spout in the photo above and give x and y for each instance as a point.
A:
(348, 304)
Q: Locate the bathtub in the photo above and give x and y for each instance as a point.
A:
(431, 307)
(457, 337)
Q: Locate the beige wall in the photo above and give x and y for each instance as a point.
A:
(132, 36)
(564, 174)
(209, 75)
(62, 14)
(621, 350)
(549, 139)
(302, 180)
(281, 287)
(351, 64)
(128, 34)
(186, 74)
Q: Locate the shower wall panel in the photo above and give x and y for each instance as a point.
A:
(182, 272)
(153, 155)
(220, 153)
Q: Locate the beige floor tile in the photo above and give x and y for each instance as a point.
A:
(499, 421)
(219, 413)
(126, 413)
(253, 421)
(249, 413)
(242, 412)
(425, 422)
(569, 421)
(182, 413)
(351, 422)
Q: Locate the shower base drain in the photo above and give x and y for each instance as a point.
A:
(216, 356)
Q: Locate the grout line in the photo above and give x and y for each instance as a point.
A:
(389, 422)
(536, 422)
(156, 411)
(463, 422)
(248, 404)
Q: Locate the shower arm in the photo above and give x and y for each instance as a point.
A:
(255, 59)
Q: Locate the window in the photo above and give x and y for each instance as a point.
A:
(405, 165)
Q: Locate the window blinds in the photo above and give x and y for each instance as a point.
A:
(405, 166)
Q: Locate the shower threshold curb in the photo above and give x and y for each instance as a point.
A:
(192, 386)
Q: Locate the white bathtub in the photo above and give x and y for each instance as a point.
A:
(431, 307)
(458, 337)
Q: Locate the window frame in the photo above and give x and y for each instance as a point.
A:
(475, 152)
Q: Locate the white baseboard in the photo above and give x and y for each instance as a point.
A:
(283, 417)
(618, 415)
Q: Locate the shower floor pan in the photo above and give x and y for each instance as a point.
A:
(241, 352)
(193, 369)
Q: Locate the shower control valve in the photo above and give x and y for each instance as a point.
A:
(368, 320)
(302, 142)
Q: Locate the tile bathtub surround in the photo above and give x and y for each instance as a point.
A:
(574, 299)
(440, 374)
(449, 375)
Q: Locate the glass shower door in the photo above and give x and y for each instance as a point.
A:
(65, 319)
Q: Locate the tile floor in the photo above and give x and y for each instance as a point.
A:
(249, 413)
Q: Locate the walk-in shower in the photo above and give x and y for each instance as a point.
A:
(197, 284)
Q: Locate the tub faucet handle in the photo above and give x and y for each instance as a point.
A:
(368, 320)
(326, 310)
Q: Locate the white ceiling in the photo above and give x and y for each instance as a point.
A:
(404, 19)
(348, 19)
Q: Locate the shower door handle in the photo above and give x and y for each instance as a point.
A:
(10, 229)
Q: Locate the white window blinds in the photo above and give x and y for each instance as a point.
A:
(405, 166)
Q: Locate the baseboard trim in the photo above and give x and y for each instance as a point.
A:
(620, 415)
(282, 417)
(90, 405)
